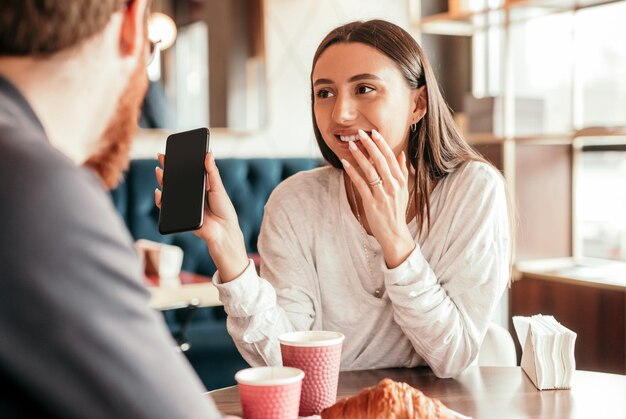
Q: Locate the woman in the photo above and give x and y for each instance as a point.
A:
(401, 243)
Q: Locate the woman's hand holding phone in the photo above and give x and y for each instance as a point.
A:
(220, 229)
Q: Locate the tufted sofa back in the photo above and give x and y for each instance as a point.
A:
(249, 183)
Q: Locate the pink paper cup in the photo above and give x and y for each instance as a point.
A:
(318, 354)
(269, 392)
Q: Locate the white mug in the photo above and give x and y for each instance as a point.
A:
(162, 260)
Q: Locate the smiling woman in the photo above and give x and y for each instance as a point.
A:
(401, 243)
(368, 98)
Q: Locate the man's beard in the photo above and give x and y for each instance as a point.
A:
(111, 158)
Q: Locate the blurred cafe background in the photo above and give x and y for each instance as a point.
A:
(537, 86)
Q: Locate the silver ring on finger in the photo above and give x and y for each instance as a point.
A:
(376, 182)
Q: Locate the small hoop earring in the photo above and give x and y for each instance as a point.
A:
(414, 127)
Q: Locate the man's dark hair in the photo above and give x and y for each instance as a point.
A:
(42, 27)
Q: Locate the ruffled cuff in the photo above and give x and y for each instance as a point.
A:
(245, 295)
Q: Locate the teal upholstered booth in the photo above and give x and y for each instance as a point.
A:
(249, 182)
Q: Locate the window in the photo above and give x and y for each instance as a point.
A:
(601, 65)
(601, 200)
(571, 64)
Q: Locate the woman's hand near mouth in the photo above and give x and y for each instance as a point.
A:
(384, 203)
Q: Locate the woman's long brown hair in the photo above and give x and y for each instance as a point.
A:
(436, 148)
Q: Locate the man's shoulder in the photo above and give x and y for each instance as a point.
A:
(26, 150)
(17, 118)
(32, 169)
(52, 205)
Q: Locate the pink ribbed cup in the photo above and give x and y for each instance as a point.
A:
(269, 392)
(318, 354)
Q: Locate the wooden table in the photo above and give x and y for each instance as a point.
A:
(488, 392)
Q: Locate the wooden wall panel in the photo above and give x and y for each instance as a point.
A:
(543, 195)
(492, 152)
(451, 60)
(596, 315)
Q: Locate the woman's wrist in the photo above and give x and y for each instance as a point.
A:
(398, 249)
(229, 255)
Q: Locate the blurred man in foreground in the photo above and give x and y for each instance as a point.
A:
(77, 337)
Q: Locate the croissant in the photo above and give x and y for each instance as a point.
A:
(387, 400)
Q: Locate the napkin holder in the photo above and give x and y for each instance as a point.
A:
(529, 359)
(536, 364)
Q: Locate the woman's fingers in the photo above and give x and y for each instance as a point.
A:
(157, 197)
(368, 170)
(159, 176)
(214, 181)
(387, 152)
(380, 162)
(207, 169)
(357, 180)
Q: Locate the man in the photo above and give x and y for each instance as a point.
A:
(77, 339)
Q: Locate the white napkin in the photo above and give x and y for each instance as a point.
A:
(547, 351)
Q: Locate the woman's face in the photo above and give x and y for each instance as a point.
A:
(356, 87)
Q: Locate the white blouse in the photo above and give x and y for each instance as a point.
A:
(436, 305)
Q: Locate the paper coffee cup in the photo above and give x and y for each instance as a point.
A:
(269, 392)
(318, 354)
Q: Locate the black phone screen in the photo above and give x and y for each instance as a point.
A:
(184, 181)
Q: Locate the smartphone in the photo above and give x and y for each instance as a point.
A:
(184, 181)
